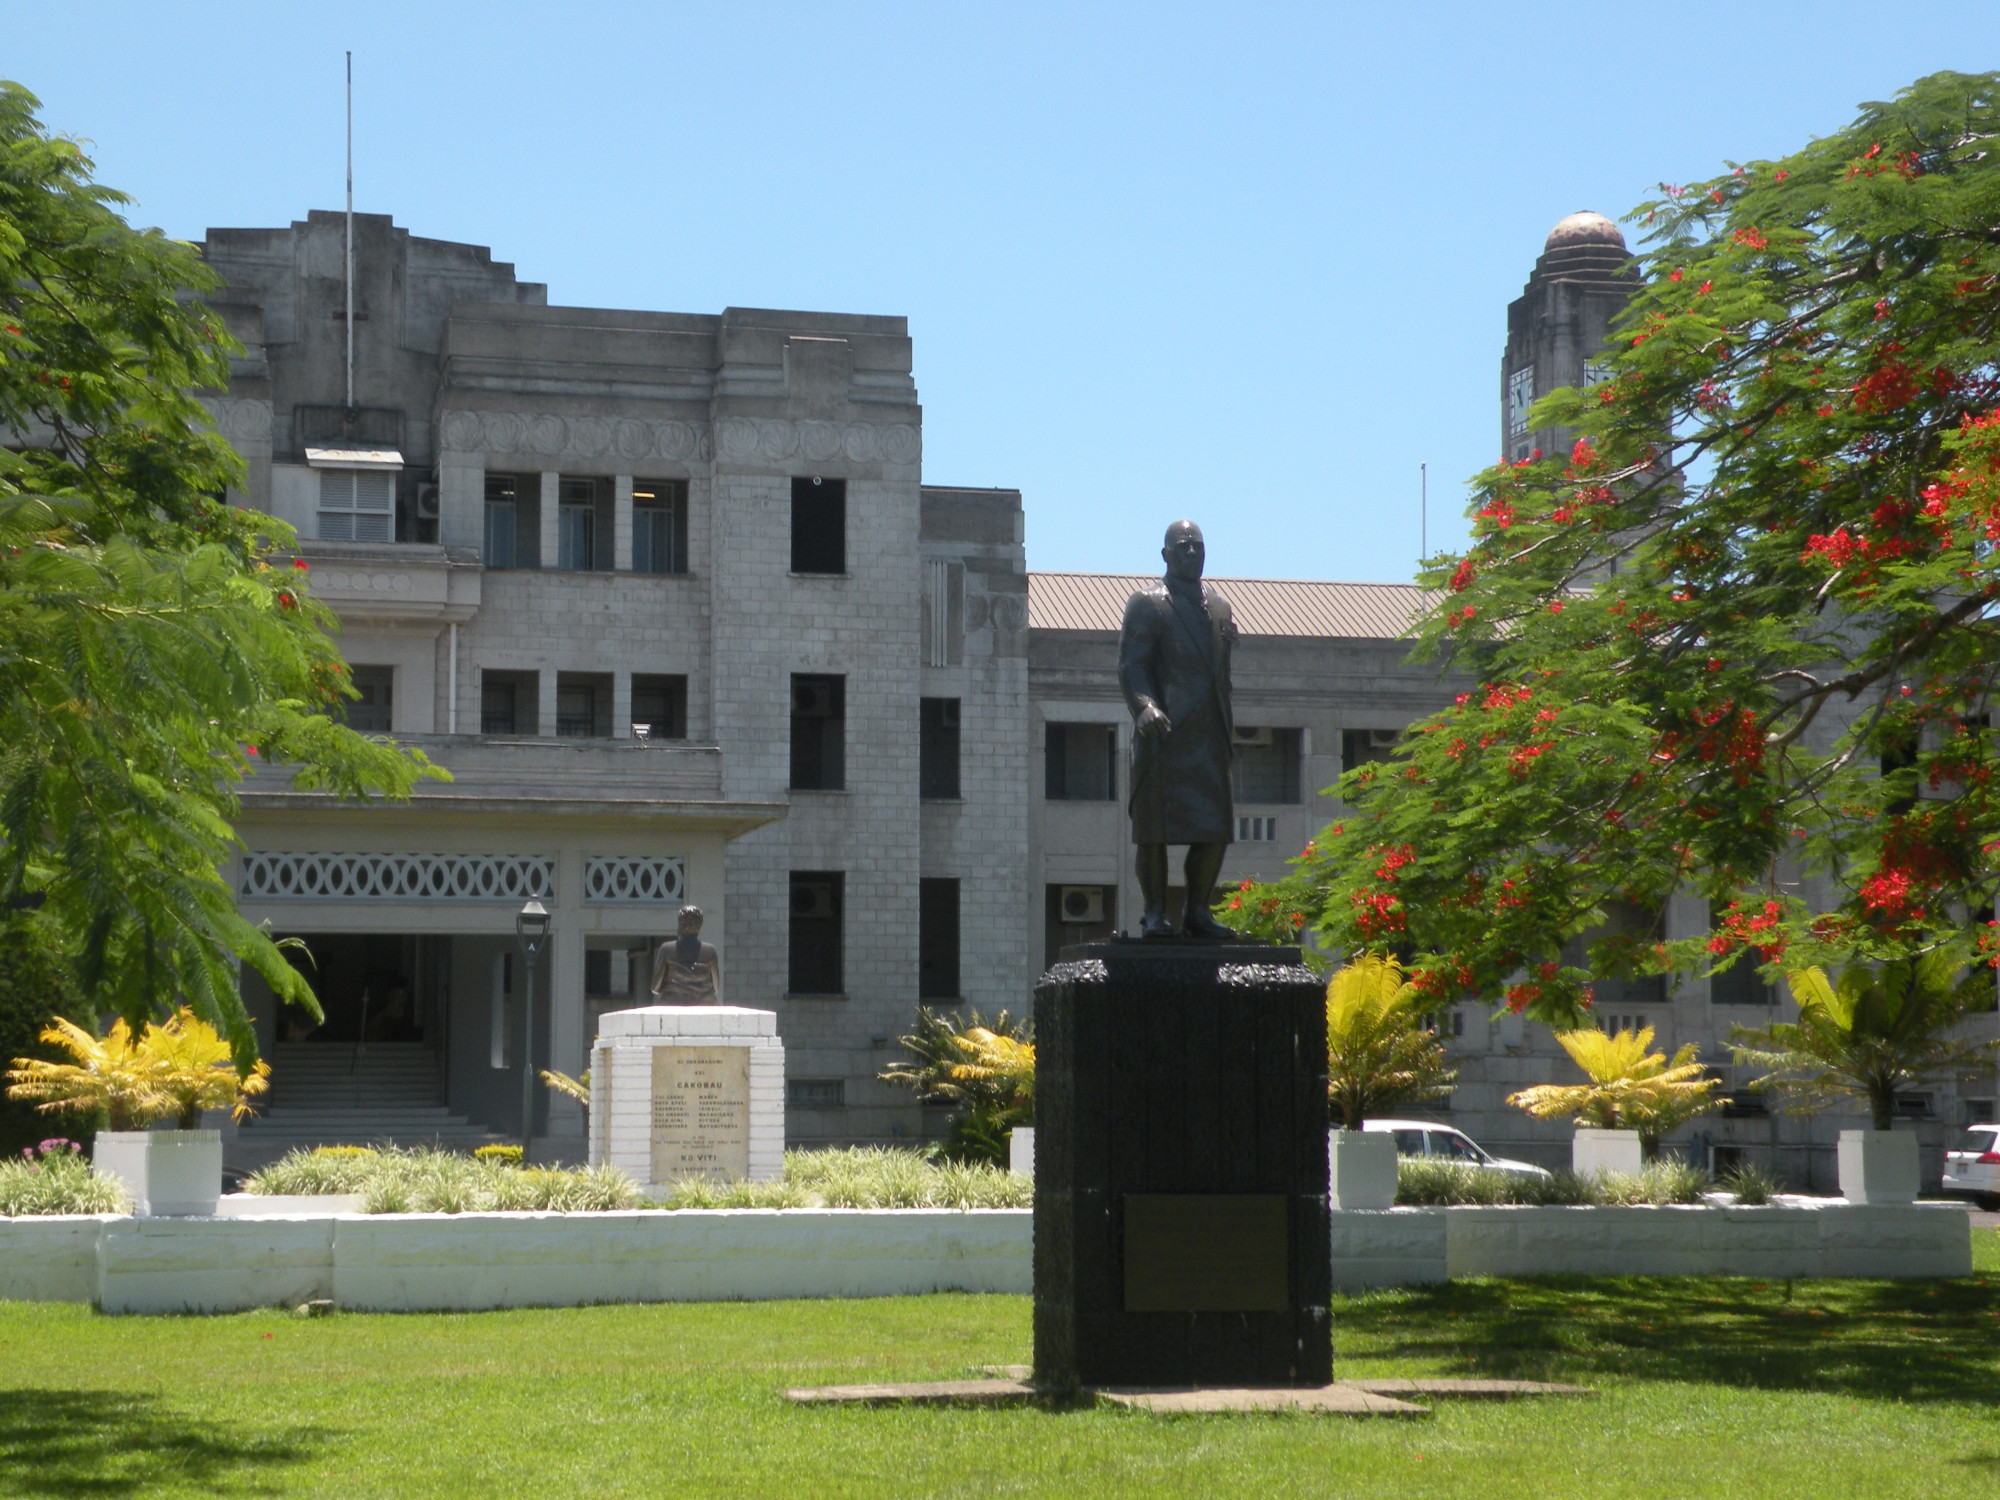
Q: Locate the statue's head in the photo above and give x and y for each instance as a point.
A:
(1184, 551)
(690, 921)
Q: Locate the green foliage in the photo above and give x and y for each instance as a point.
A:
(35, 987)
(574, 1088)
(172, 1070)
(1881, 1030)
(1629, 1087)
(55, 1178)
(1428, 1182)
(1762, 572)
(501, 1156)
(151, 655)
(1378, 1057)
(1753, 1185)
(427, 1181)
(987, 1071)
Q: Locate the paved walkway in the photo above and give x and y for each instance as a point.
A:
(1985, 1221)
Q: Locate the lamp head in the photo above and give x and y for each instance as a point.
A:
(531, 925)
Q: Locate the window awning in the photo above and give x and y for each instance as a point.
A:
(354, 458)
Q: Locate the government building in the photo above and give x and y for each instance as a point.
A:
(669, 597)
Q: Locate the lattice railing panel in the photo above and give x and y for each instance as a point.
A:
(291, 876)
(617, 880)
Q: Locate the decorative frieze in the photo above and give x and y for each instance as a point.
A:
(632, 880)
(295, 876)
(548, 435)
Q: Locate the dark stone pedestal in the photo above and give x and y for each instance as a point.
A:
(1181, 1232)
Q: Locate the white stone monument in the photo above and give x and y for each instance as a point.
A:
(688, 1091)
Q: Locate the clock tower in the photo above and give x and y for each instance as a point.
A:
(1558, 327)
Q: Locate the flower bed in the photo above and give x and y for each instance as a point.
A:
(1427, 1183)
(391, 1181)
(55, 1178)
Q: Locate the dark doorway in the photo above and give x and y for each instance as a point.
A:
(373, 987)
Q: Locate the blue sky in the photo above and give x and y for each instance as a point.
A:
(1249, 265)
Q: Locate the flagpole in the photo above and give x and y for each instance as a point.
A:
(348, 314)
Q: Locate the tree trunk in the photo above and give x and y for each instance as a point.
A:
(1882, 1103)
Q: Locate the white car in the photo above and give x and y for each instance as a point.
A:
(1428, 1138)
(1972, 1166)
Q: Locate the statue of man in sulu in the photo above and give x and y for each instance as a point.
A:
(687, 971)
(1173, 664)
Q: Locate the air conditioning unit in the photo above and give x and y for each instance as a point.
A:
(427, 502)
(812, 700)
(1245, 735)
(1383, 739)
(812, 899)
(1083, 903)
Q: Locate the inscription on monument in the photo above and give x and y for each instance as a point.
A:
(701, 1113)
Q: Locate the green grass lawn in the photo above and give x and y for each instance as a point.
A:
(1725, 1387)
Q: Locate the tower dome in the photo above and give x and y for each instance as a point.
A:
(1585, 228)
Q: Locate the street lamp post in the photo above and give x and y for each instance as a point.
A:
(531, 931)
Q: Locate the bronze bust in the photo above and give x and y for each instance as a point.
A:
(688, 971)
(1173, 664)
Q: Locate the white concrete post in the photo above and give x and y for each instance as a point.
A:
(545, 705)
(551, 519)
(621, 523)
(621, 705)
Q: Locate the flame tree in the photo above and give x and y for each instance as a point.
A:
(1742, 635)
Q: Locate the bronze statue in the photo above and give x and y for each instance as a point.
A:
(688, 971)
(1173, 663)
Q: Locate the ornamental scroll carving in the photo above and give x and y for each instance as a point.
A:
(775, 440)
(544, 434)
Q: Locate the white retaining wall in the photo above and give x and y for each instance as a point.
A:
(434, 1262)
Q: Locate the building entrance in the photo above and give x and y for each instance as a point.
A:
(372, 988)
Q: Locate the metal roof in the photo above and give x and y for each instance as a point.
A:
(1263, 606)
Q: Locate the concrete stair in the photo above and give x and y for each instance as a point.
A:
(327, 1094)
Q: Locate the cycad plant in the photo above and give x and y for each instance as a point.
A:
(1377, 1054)
(1629, 1087)
(174, 1069)
(1873, 1034)
(988, 1070)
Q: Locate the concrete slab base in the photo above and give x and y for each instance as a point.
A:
(1469, 1390)
(919, 1393)
(1333, 1400)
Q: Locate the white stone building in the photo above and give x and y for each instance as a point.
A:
(666, 595)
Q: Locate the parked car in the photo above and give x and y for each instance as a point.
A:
(1972, 1166)
(1428, 1138)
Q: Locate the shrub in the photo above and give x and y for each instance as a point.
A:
(55, 1178)
(988, 1071)
(329, 1169)
(35, 987)
(1752, 1184)
(504, 1156)
(172, 1070)
(1377, 1057)
(1629, 1088)
(1429, 1182)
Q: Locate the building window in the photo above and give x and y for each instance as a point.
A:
(937, 775)
(509, 703)
(576, 524)
(816, 1093)
(813, 946)
(819, 525)
(357, 505)
(1077, 914)
(1520, 400)
(819, 733)
(371, 712)
(660, 703)
(1080, 763)
(1741, 984)
(513, 538)
(937, 939)
(1362, 747)
(583, 705)
(1256, 830)
(1265, 765)
(659, 526)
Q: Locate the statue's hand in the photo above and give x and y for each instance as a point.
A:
(1152, 722)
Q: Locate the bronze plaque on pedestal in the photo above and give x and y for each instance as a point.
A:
(701, 1113)
(1206, 1252)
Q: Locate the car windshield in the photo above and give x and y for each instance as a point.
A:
(1451, 1144)
(1977, 1142)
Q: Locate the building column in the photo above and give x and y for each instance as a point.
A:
(621, 523)
(462, 503)
(567, 1045)
(551, 519)
(621, 705)
(545, 702)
